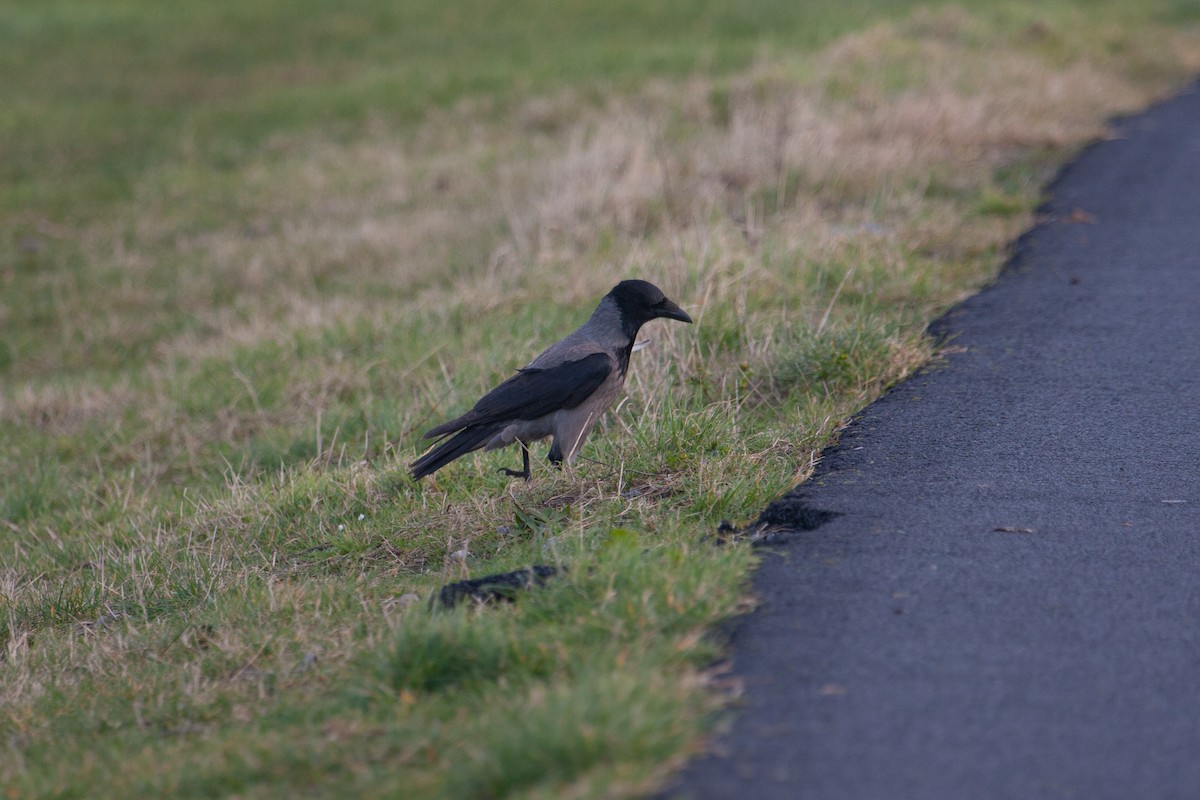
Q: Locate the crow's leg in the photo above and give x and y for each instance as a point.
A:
(524, 473)
(555, 456)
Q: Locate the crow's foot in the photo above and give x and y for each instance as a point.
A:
(524, 471)
(515, 473)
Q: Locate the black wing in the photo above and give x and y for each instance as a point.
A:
(535, 392)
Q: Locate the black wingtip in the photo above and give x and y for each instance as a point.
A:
(447, 428)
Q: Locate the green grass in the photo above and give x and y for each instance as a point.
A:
(250, 251)
(99, 92)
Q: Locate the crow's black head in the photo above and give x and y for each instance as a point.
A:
(641, 301)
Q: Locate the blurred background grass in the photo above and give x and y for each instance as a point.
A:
(97, 92)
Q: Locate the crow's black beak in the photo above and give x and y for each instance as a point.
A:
(669, 310)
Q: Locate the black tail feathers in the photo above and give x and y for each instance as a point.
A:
(456, 446)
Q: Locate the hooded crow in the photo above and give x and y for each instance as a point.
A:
(562, 392)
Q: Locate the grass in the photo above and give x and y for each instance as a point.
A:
(249, 252)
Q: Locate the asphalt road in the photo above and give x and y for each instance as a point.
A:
(1008, 604)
